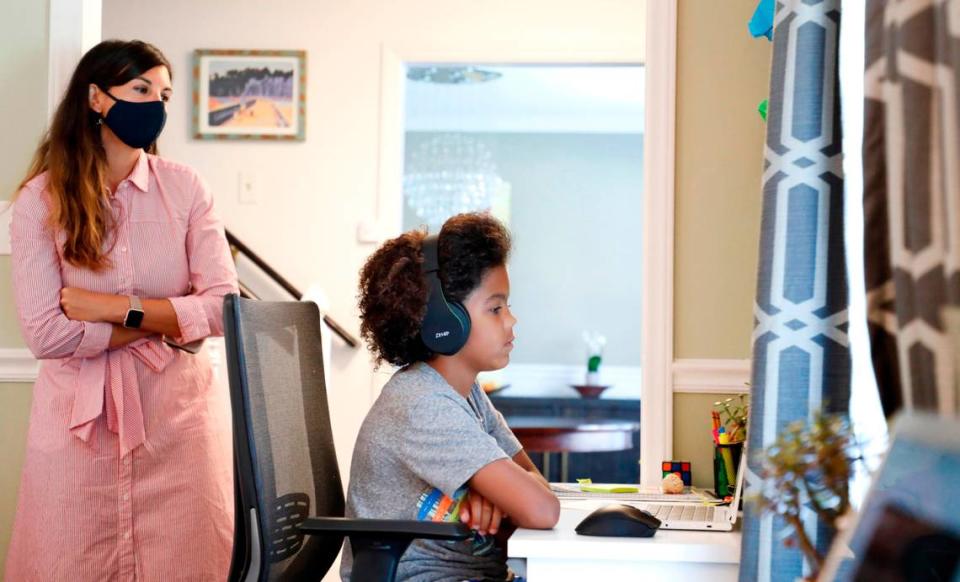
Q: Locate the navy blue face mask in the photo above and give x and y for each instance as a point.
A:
(136, 124)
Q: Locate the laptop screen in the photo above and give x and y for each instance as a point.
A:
(738, 491)
(909, 527)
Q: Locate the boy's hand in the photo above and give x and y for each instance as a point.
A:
(480, 514)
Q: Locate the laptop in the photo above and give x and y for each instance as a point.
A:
(908, 527)
(698, 515)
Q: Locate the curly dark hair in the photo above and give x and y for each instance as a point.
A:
(393, 292)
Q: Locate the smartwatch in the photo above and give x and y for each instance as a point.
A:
(134, 317)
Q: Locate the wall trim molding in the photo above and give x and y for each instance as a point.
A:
(18, 365)
(711, 376)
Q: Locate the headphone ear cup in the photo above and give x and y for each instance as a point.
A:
(445, 326)
(460, 312)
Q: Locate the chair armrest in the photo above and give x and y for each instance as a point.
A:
(378, 544)
(375, 528)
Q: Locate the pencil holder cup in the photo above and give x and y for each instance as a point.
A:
(726, 460)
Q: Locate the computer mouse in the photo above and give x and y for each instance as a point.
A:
(619, 521)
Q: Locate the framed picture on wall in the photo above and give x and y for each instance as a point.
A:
(249, 94)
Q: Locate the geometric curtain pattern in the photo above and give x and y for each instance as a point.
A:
(911, 159)
(801, 357)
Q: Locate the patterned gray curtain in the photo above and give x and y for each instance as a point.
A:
(911, 159)
(801, 360)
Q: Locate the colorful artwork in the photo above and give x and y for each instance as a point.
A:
(249, 94)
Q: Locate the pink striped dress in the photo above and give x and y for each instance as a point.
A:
(128, 472)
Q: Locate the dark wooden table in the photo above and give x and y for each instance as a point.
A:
(564, 435)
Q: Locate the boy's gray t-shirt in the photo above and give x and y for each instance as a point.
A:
(417, 448)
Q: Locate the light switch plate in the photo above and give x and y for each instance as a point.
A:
(369, 232)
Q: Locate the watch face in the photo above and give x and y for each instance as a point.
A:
(134, 319)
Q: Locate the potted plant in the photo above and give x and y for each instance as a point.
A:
(592, 388)
(809, 466)
(734, 413)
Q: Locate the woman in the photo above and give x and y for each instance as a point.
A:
(128, 470)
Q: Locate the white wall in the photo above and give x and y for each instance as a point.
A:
(313, 194)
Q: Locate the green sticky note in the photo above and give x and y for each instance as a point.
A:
(762, 108)
(587, 486)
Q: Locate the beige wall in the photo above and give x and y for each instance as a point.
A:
(23, 103)
(9, 329)
(15, 407)
(691, 435)
(722, 75)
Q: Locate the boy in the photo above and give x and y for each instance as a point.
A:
(432, 446)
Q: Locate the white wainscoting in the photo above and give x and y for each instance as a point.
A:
(18, 365)
(711, 376)
(719, 376)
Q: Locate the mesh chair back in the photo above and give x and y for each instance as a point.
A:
(285, 459)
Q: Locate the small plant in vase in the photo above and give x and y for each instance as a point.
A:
(592, 388)
(809, 467)
(595, 344)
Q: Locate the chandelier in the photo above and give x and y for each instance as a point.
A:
(455, 75)
(450, 174)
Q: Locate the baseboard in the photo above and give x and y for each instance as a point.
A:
(716, 376)
(18, 365)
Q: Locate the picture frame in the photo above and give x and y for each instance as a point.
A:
(243, 94)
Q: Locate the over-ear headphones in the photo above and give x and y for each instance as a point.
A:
(446, 325)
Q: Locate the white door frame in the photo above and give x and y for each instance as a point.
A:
(656, 408)
(656, 442)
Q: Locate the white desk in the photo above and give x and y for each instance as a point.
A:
(560, 555)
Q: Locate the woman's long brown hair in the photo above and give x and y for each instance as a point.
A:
(72, 152)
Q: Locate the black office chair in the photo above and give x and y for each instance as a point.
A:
(289, 499)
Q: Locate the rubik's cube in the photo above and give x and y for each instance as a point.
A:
(680, 468)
